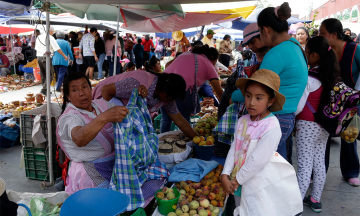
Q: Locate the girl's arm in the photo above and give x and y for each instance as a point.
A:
(311, 86)
(119, 89)
(260, 156)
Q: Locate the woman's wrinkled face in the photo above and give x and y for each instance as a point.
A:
(80, 94)
(301, 36)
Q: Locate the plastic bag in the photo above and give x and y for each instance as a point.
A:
(350, 134)
(42, 207)
(10, 122)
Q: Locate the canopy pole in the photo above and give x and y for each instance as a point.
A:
(12, 48)
(48, 93)
(116, 43)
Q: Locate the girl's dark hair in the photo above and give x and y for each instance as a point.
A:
(129, 65)
(306, 31)
(139, 40)
(99, 38)
(111, 36)
(267, 17)
(247, 54)
(151, 63)
(333, 25)
(211, 53)
(269, 91)
(172, 84)
(226, 37)
(328, 68)
(66, 83)
(346, 29)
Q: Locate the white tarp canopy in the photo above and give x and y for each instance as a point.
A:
(141, 1)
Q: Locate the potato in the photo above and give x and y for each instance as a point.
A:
(347, 138)
(352, 140)
(346, 133)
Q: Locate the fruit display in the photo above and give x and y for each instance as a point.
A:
(166, 194)
(203, 198)
(350, 134)
(206, 124)
(207, 106)
(176, 142)
(15, 82)
(15, 106)
(201, 141)
(32, 64)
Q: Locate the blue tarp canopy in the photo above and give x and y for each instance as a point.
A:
(12, 7)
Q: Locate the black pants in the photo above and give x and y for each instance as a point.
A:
(146, 56)
(224, 59)
(42, 66)
(138, 62)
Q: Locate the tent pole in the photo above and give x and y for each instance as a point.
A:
(12, 47)
(48, 96)
(116, 43)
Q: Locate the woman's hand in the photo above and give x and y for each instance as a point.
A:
(227, 185)
(235, 184)
(143, 92)
(115, 114)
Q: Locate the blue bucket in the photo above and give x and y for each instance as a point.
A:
(204, 152)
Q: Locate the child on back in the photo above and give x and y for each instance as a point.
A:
(311, 138)
(247, 173)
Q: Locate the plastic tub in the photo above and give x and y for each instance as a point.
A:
(204, 152)
(167, 206)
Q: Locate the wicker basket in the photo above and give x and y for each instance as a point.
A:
(16, 114)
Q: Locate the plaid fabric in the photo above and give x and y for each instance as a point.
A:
(227, 124)
(136, 153)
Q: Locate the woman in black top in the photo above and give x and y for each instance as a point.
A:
(100, 53)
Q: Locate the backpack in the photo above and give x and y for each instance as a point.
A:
(343, 106)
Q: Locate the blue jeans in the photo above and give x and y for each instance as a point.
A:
(349, 159)
(111, 66)
(60, 71)
(287, 122)
(206, 91)
(100, 65)
(130, 55)
(184, 109)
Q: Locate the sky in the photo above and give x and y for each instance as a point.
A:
(300, 7)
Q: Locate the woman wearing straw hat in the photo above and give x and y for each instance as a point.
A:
(252, 166)
(181, 41)
(286, 58)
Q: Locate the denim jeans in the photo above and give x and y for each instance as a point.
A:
(287, 122)
(206, 91)
(100, 65)
(111, 66)
(130, 55)
(60, 71)
(349, 159)
(184, 109)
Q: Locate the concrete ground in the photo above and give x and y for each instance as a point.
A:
(338, 198)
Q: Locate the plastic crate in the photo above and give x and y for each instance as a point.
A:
(157, 121)
(37, 165)
(27, 122)
(26, 69)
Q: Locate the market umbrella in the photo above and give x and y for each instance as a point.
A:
(6, 30)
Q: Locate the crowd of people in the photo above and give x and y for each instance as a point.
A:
(284, 81)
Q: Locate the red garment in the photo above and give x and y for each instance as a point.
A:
(147, 45)
(314, 99)
(5, 60)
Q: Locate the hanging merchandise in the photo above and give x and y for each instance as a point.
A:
(136, 154)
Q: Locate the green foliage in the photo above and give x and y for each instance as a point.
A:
(263, 4)
(311, 26)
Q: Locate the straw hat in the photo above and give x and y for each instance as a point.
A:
(2, 186)
(250, 31)
(177, 35)
(268, 78)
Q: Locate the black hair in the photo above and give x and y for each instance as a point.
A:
(306, 31)
(346, 29)
(353, 37)
(333, 25)
(315, 33)
(152, 49)
(129, 65)
(211, 53)
(269, 91)
(172, 84)
(247, 54)
(99, 39)
(197, 43)
(226, 37)
(66, 83)
(139, 40)
(151, 63)
(177, 54)
(111, 36)
(93, 29)
(328, 68)
(278, 23)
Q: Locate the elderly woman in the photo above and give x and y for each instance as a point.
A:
(60, 64)
(85, 133)
(225, 51)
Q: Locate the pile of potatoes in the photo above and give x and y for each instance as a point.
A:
(350, 134)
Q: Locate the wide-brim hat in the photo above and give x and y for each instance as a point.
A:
(2, 186)
(250, 31)
(271, 80)
(177, 35)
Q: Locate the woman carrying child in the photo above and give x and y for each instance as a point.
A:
(311, 138)
(267, 180)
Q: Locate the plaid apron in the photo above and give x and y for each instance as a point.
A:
(136, 153)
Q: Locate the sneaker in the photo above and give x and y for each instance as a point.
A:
(354, 182)
(316, 207)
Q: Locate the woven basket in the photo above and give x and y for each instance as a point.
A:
(16, 114)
